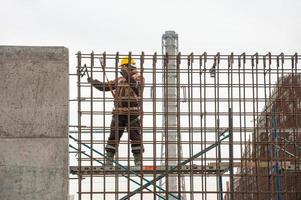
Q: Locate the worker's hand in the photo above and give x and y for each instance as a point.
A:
(125, 72)
(89, 80)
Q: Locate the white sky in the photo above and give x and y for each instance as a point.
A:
(137, 25)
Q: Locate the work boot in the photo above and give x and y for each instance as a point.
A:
(109, 159)
(137, 159)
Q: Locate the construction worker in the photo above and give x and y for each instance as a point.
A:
(127, 92)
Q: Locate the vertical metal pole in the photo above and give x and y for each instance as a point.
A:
(217, 128)
(220, 177)
(190, 125)
(79, 125)
(205, 116)
(116, 101)
(154, 97)
(201, 120)
(257, 158)
(231, 154)
(266, 178)
(240, 195)
(230, 96)
(104, 57)
(128, 139)
(245, 158)
(296, 115)
(140, 128)
(91, 127)
(178, 120)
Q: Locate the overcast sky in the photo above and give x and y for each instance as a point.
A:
(137, 25)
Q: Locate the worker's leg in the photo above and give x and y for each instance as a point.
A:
(117, 128)
(136, 139)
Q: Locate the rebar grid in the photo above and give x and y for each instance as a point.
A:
(237, 125)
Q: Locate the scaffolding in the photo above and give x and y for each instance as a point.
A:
(237, 128)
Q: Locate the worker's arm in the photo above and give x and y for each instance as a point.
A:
(107, 86)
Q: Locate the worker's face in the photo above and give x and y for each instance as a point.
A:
(124, 67)
(127, 67)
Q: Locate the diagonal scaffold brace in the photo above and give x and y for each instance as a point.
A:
(123, 167)
(152, 182)
(74, 148)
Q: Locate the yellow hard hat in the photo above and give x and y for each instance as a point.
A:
(125, 61)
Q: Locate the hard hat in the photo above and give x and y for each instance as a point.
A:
(125, 61)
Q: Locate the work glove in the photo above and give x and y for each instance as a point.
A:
(89, 80)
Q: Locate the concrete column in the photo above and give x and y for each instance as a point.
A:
(170, 46)
(33, 123)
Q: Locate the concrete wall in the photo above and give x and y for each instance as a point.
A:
(33, 123)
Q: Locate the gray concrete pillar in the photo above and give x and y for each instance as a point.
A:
(33, 123)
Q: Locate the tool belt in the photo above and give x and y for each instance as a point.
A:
(127, 110)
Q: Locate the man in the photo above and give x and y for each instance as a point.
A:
(127, 92)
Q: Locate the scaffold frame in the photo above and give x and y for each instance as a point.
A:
(238, 120)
